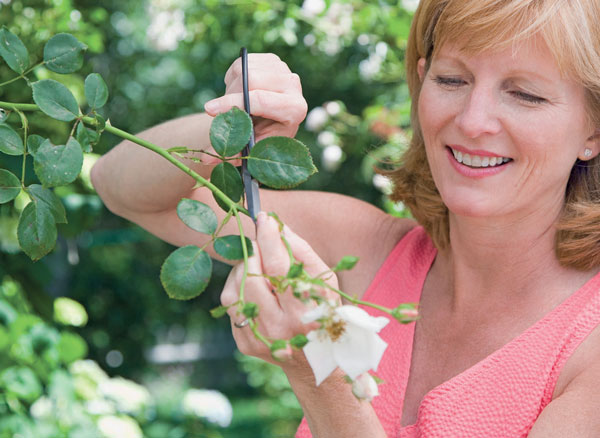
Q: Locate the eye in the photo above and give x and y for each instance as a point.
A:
(449, 81)
(528, 98)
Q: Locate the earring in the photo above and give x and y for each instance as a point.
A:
(587, 153)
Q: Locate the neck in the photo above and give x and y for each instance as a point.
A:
(495, 262)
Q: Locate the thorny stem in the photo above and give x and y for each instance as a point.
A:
(25, 125)
(257, 334)
(356, 300)
(21, 76)
(148, 145)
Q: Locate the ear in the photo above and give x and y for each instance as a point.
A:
(421, 68)
(591, 144)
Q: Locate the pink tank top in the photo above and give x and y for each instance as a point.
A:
(500, 396)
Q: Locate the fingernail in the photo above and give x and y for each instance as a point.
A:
(211, 106)
(261, 218)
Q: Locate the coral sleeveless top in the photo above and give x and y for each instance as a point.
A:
(500, 396)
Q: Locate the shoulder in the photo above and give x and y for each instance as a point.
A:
(576, 402)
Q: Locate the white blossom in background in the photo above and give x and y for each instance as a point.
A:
(167, 25)
(312, 8)
(326, 138)
(410, 5)
(112, 426)
(316, 119)
(348, 339)
(365, 387)
(87, 376)
(382, 183)
(100, 407)
(331, 157)
(128, 396)
(368, 68)
(41, 408)
(208, 404)
(333, 108)
(335, 24)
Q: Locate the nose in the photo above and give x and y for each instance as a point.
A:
(478, 113)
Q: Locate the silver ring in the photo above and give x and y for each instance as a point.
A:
(242, 324)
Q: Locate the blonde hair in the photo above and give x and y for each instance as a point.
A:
(571, 31)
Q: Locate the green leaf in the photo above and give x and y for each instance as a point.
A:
(36, 231)
(217, 312)
(10, 186)
(299, 341)
(45, 198)
(230, 132)
(55, 100)
(186, 272)
(21, 382)
(83, 136)
(280, 162)
(71, 347)
(346, 263)
(295, 270)
(13, 51)
(96, 91)
(230, 247)
(250, 310)
(34, 142)
(227, 179)
(197, 215)
(63, 53)
(10, 141)
(58, 165)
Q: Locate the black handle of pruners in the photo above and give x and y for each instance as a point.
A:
(250, 184)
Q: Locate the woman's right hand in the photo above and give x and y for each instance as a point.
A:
(276, 100)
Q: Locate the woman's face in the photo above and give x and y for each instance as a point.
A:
(502, 130)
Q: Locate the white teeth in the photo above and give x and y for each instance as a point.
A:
(477, 160)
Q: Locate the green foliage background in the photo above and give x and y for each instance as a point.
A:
(162, 59)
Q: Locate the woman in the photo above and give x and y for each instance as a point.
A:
(503, 177)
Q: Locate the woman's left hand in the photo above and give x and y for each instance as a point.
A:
(279, 313)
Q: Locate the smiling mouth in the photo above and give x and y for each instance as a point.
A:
(478, 161)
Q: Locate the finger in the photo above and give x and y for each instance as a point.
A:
(258, 289)
(303, 252)
(257, 61)
(268, 80)
(283, 108)
(274, 254)
(230, 294)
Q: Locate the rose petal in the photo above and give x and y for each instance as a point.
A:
(359, 317)
(319, 356)
(315, 314)
(352, 351)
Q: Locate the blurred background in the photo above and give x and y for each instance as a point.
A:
(90, 345)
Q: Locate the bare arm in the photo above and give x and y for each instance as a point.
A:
(143, 187)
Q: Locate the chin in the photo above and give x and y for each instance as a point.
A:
(470, 206)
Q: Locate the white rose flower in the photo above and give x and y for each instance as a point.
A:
(365, 387)
(208, 404)
(348, 339)
(128, 396)
(111, 426)
(331, 157)
(312, 8)
(316, 119)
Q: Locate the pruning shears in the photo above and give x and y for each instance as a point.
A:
(250, 184)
